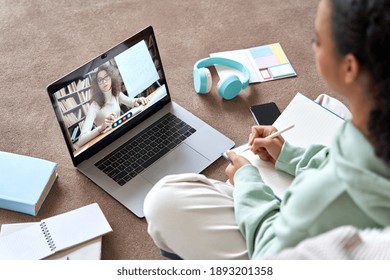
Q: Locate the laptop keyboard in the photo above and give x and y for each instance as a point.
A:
(138, 153)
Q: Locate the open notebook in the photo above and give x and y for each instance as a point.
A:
(314, 124)
(54, 234)
(90, 250)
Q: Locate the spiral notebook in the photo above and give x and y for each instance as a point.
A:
(55, 234)
(89, 250)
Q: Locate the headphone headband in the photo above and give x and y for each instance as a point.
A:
(211, 61)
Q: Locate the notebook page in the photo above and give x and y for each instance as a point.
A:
(89, 250)
(25, 244)
(313, 123)
(7, 229)
(77, 226)
(277, 180)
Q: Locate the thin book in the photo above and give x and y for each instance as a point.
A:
(25, 182)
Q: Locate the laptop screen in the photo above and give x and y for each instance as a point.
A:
(103, 99)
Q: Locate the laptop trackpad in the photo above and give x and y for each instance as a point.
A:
(182, 159)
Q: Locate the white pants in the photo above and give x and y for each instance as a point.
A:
(193, 216)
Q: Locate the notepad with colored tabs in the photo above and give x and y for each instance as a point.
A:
(265, 63)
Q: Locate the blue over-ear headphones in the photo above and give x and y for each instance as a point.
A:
(227, 88)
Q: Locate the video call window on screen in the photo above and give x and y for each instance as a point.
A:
(136, 72)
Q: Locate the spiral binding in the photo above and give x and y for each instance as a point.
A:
(48, 237)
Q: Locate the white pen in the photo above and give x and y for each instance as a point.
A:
(273, 135)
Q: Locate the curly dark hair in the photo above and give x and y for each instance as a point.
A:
(362, 28)
(116, 81)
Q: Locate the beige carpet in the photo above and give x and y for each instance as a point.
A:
(43, 40)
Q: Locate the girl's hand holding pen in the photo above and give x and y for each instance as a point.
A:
(268, 149)
(264, 141)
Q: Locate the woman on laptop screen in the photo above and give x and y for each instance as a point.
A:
(107, 99)
(193, 217)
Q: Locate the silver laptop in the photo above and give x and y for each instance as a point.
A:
(121, 127)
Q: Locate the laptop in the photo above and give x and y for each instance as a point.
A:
(127, 137)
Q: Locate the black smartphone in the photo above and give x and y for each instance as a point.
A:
(265, 114)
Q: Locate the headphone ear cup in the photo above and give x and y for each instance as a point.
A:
(229, 87)
(202, 80)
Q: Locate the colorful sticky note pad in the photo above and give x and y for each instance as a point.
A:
(279, 53)
(265, 73)
(261, 51)
(282, 70)
(266, 61)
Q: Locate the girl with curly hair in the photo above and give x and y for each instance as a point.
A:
(193, 217)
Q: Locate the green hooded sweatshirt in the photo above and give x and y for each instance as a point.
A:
(346, 184)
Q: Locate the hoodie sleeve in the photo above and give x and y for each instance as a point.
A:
(293, 160)
(255, 206)
(257, 210)
(265, 222)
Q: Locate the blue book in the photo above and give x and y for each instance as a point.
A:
(25, 182)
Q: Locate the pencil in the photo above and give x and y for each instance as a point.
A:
(273, 135)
